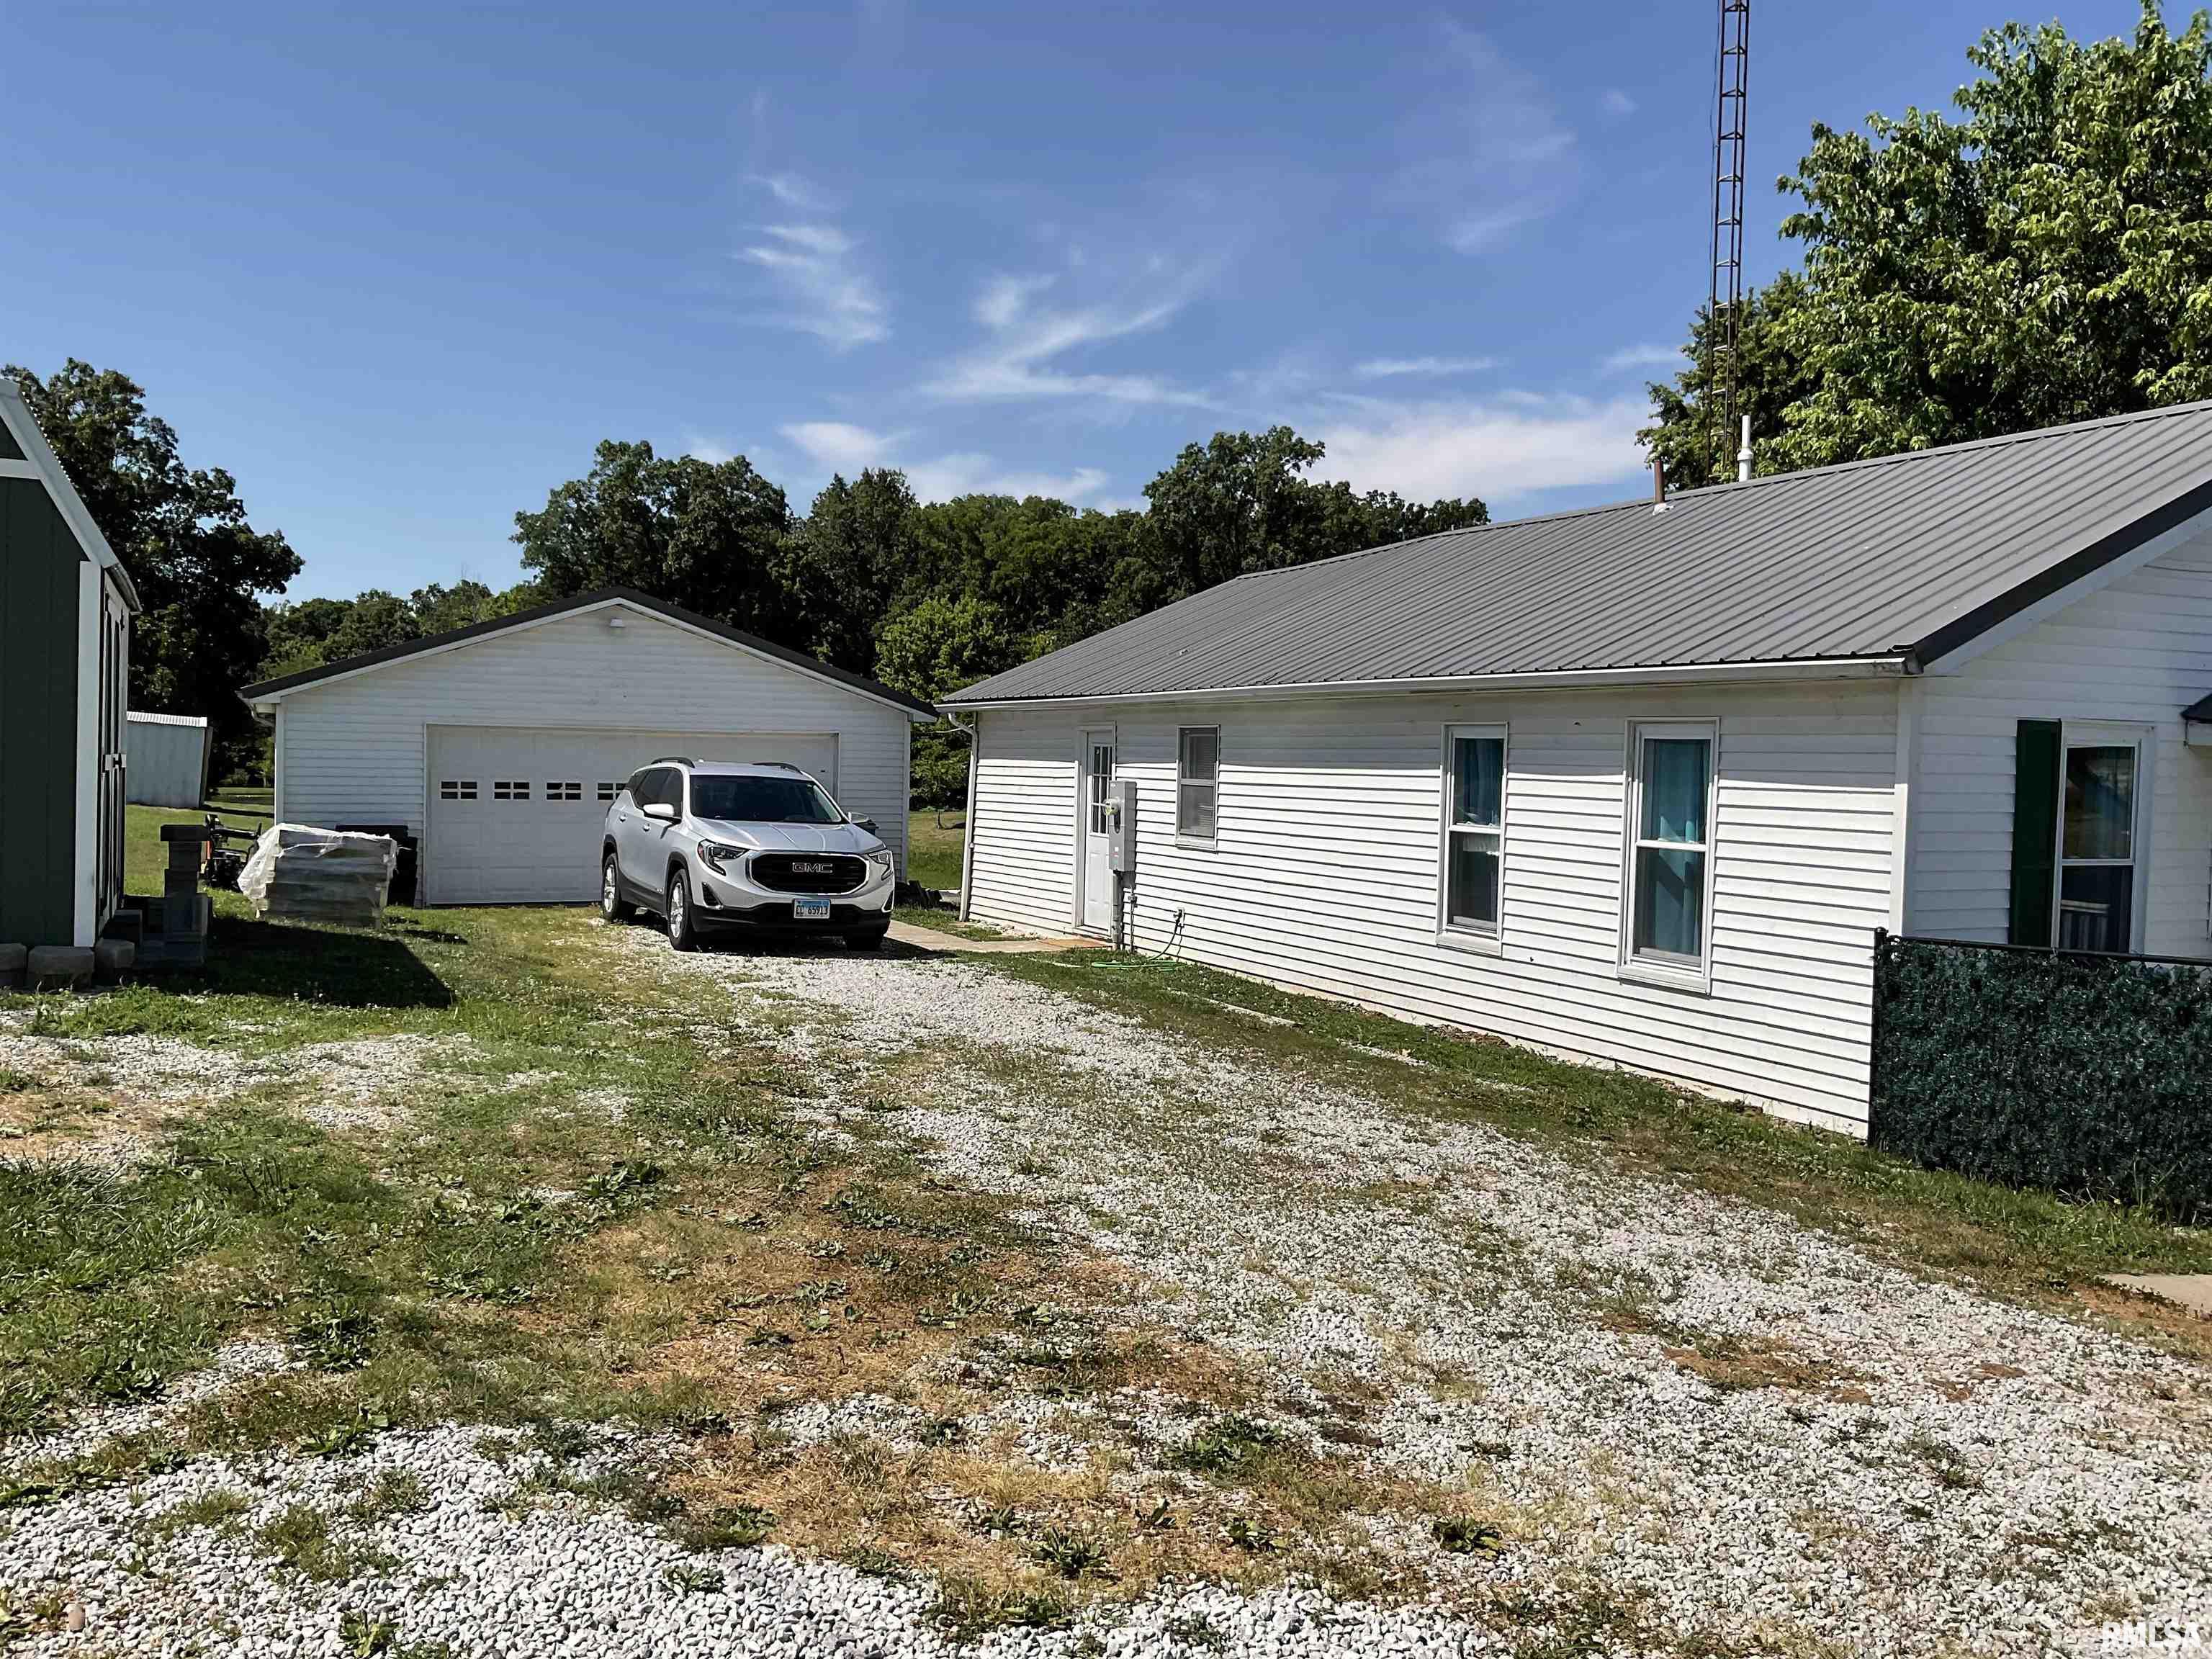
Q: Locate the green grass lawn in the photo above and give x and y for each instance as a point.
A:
(932, 847)
(145, 856)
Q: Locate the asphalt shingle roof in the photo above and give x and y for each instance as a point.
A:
(1907, 555)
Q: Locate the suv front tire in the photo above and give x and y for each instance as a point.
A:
(681, 935)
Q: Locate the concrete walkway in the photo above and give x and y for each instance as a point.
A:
(928, 939)
(2190, 1291)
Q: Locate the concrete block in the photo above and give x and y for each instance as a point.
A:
(58, 967)
(12, 958)
(127, 925)
(111, 959)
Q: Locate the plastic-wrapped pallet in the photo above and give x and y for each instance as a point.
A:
(320, 875)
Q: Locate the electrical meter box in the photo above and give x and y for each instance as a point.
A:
(1121, 826)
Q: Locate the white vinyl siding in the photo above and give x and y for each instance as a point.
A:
(1324, 877)
(352, 751)
(2134, 654)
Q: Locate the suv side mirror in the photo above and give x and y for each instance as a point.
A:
(868, 825)
(660, 811)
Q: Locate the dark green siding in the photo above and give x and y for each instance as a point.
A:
(38, 566)
(10, 449)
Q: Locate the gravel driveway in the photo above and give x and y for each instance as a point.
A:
(1697, 1425)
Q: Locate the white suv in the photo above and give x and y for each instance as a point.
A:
(704, 844)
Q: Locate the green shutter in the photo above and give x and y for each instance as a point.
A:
(2034, 830)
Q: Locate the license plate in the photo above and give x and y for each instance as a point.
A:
(810, 910)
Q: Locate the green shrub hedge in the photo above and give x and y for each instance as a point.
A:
(2089, 1076)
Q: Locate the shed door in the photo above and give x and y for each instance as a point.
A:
(515, 816)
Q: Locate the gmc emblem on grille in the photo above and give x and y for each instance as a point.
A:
(812, 866)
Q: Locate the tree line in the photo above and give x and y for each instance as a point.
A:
(924, 596)
(2044, 257)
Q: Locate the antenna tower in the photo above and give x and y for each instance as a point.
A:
(1724, 309)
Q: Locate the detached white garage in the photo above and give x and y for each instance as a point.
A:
(499, 747)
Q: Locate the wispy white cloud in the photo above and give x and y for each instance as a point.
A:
(1501, 448)
(1615, 102)
(842, 447)
(813, 265)
(1487, 150)
(1641, 356)
(1381, 369)
(794, 191)
(1025, 342)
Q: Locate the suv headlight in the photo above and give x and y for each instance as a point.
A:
(879, 860)
(716, 853)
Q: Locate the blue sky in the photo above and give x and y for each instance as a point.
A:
(399, 269)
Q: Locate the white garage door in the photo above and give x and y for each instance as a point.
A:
(514, 814)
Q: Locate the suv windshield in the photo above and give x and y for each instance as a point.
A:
(761, 800)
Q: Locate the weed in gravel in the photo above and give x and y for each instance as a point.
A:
(1251, 1534)
(874, 1562)
(300, 1537)
(694, 1578)
(1458, 1535)
(393, 1492)
(364, 1637)
(1071, 1554)
(13, 1082)
(969, 1608)
(1196, 1629)
(1231, 1445)
(215, 1509)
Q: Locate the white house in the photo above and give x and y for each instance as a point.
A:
(1638, 784)
(499, 746)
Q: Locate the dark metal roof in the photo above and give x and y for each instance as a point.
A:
(1907, 556)
(583, 602)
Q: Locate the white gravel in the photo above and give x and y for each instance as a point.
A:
(2006, 1476)
(492, 1571)
(2007, 1479)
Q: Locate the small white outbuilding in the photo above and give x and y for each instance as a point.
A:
(498, 747)
(165, 759)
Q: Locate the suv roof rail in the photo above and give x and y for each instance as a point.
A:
(676, 760)
(785, 765)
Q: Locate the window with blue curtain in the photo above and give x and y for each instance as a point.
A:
(1674, 794)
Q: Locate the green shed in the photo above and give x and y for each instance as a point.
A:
(65, 611)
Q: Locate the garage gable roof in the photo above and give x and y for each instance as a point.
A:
(274, 691)
(25, 453)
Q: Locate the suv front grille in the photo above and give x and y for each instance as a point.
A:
(808, 872)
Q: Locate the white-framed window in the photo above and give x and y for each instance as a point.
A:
(457, 789)
(1667, 881)
(1471, 882)
(1198, 781)
(608, 791)
(510, 789)
(2103, 789)
(570, 790)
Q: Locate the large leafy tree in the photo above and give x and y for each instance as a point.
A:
(711, 536)
(182, 533)
(2044, 257)
(850, 557)
(1242, 503)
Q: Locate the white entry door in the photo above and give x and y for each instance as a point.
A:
(1097, 786)
(515, 814)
